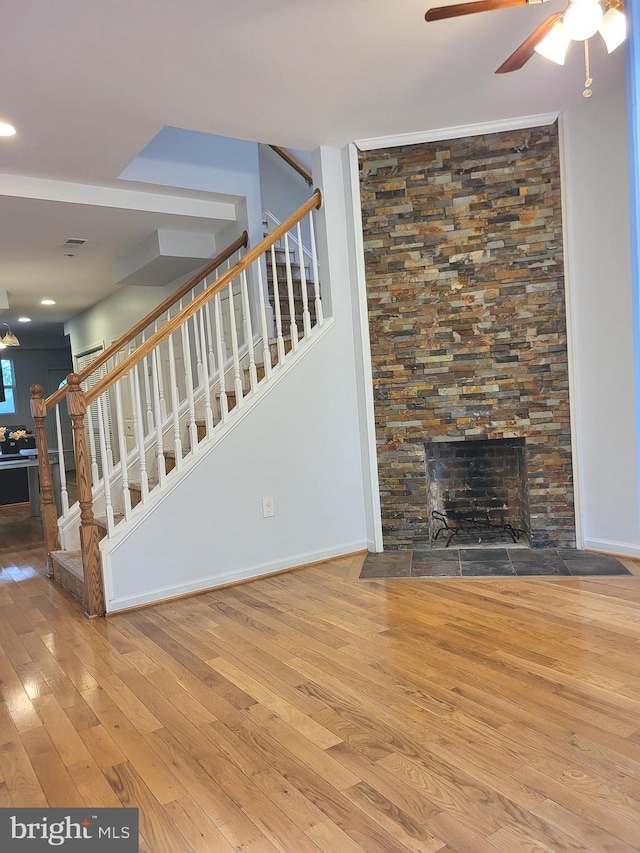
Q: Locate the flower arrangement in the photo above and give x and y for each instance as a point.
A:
(6, 433)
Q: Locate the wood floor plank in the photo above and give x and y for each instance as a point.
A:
(193, 823)
(268, 699)
(56, 782)
(329, 838)
(21, 780)
(163, 836)
(61, 730)
(312, 711)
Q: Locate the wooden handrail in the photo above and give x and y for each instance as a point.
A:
(194, 306)
(152, 316)
(295, 164)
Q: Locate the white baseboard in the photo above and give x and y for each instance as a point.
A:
(618, 549)
(210, 582)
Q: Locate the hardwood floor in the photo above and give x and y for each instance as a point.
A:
(315, 711)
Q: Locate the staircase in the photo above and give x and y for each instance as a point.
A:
(300, 276)
(146, 410)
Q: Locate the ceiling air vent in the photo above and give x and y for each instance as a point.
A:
(74, 243)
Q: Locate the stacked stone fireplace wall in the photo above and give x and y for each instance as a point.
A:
(464, 264)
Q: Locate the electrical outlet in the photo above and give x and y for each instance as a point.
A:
(268, 510)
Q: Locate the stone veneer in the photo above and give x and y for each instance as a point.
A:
(463, 251)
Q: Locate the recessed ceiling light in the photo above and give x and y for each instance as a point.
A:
(7, 129)
(48, 302)
(24, 319)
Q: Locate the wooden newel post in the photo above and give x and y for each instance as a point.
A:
(48, 510)
(89, 536)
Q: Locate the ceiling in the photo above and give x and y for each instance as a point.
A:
(88, 85)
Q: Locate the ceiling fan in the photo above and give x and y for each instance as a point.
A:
(580, 20)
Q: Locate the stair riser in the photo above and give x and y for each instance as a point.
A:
(67, 580)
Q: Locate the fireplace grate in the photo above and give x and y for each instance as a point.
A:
(454, 523)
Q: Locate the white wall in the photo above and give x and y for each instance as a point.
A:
(596, 180)
(282, 189)
(204, 162)
(105, 321)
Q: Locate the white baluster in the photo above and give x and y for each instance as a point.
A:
(139, 432)
(208, 412)
(237, 374)
(221, 350)
(163, 402)
(147, 393)
(120, 427)
(160, 458)
(276, 301)
(106, 470)
(306, 316)
(93, 459)
(177, 443)
(266, 352)
(292, 304)
(106, 480)
(198, 348)
(248, 330)
(314, 270)
(134, 409)
(64, 494)
(188, 381)
(209, 330)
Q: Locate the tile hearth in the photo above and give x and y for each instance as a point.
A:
(489, 562)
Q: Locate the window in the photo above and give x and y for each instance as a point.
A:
(8, 394)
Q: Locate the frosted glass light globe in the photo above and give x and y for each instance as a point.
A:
(582, 19)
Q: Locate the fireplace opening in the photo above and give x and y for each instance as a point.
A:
(477, 493)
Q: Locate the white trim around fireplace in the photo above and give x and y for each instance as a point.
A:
(574, 413)
(353, 213)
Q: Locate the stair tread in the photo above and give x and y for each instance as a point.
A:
(135, 484)
(70, 560)
(102, 519)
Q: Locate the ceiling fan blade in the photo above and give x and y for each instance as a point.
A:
(523, 54)
(440, 12)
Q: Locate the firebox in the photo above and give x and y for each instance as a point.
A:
(477, 492)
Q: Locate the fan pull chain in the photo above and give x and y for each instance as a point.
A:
(587, 71)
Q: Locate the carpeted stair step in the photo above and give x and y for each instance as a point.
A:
(169, 460)
(273, 347)
(135, 490)
(231, 400)
(68, 571)
(259, 372)
(101, 522)
(281, 270)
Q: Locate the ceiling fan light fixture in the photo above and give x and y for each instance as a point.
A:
(582, 19)
(613, 29)
(554, 45)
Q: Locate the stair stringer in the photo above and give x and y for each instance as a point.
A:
(192, 461)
